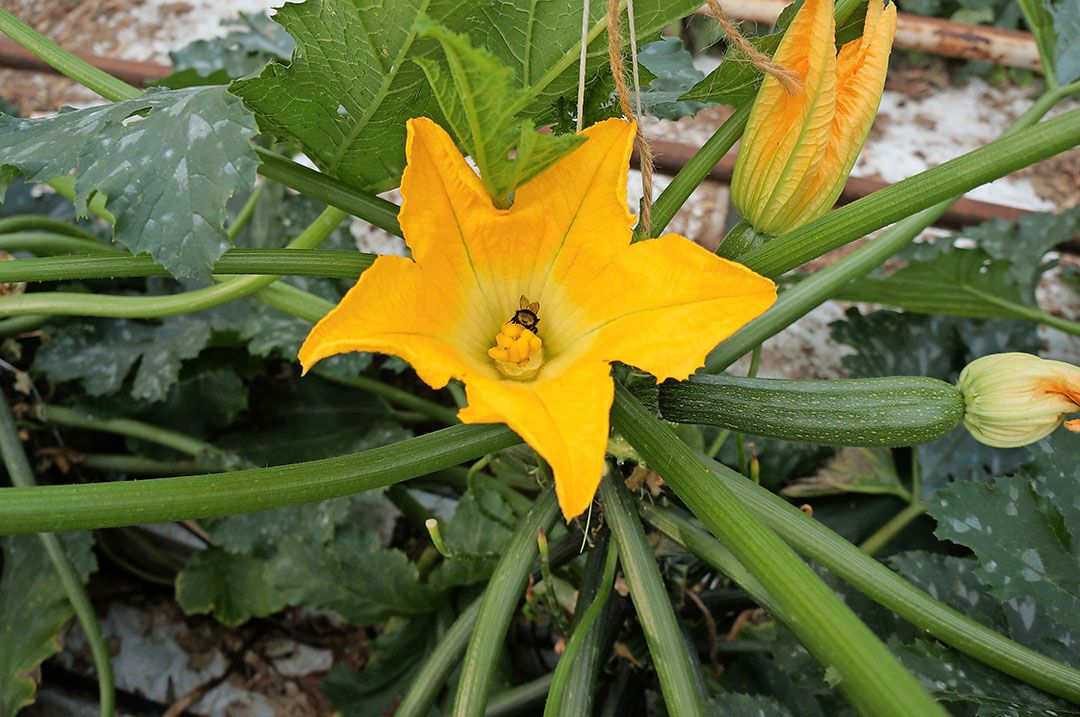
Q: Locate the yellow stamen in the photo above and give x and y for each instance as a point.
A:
(518, 352)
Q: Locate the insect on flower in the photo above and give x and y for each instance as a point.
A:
(467, 305)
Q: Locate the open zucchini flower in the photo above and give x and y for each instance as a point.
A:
(799, 148)
(1013, 399)
(528, 306)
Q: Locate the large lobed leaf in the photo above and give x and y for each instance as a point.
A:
(240, 53)
(1024, 529)
(352, 81)
(101, 353)
(995, 279)
(33, 610)
(167, 162)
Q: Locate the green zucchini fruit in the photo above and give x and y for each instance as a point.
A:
(893, 411)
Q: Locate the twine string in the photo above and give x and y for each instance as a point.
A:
(618, 71)
(788, 79)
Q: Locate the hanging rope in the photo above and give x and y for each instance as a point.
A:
(789, 80)
(618, 71)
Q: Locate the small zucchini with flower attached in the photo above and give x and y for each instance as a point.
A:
(893, 411)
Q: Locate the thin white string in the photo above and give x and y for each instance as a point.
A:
(581, 64)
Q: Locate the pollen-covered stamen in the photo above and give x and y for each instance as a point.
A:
(518, 352)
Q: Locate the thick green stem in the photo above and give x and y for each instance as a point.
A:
(47, 242)
(897, 201)
(871, 678)
(136, 307)
(329, 263)
(369, 207)
(64, 62)
(22, 324)
(504, 590)
(683, 530)
(870, 577)
(22, 476)
(37, 222)
(295, 302)
(106, 505)
(674, 667)
(574, 685)
(446, 656)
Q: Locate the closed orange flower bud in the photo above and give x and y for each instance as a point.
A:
(1014, 399)
(799, 148)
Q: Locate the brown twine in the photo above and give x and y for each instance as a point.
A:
(618, 70)
(788, 80)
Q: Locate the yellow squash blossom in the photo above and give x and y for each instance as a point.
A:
(799, 148)
(1014, 399)
(528, 306)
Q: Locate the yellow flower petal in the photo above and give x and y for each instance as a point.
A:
(564, 244)
(786, 134)
(662, 305)
(563, 415)
(399, 309)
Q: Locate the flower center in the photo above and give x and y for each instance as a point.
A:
(518, 352)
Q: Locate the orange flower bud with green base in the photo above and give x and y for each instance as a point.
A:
(799, 148)
(1014, 399)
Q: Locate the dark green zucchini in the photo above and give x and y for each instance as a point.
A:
(894, 411)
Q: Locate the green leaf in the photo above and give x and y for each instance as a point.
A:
(351, 84)
(674, 75)
(349, 87)
(1024, 529)
(33, 611)
(1067, 26)
(260, 533)
(954, 283)
(167, 161)
(353, 576)
(235, 588)
(952, 677)
(101, 353)
(1025, 242)
(735, 81)
(889, 343)
(207, 397)
(476, 536)
(479, 99)
(311, 418)
(238, 54)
